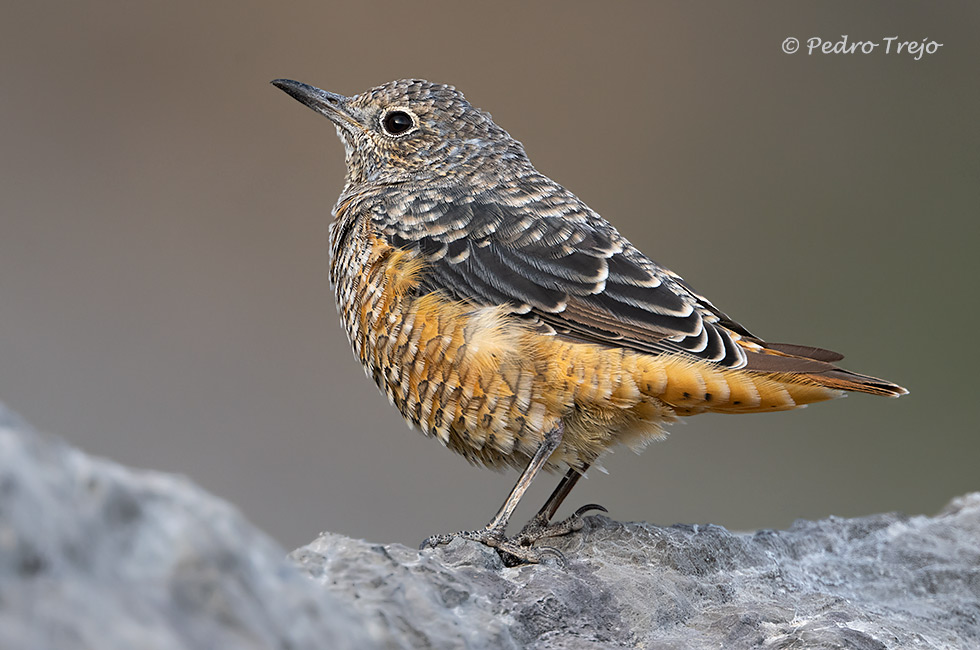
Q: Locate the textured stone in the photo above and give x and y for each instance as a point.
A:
(95, 555)
(882, 581)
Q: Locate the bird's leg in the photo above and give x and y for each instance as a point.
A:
(494, 533)
(540, 526)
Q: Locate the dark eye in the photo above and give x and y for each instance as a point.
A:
(397, 122)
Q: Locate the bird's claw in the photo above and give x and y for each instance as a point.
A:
(540, 528)
(520, 549)
(511, 552)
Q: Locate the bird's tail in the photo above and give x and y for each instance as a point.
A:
(841, 379)
(776, 378)
(801, 364)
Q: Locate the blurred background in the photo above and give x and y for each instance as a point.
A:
(163, 241)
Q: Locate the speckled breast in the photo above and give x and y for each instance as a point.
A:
(454, 371)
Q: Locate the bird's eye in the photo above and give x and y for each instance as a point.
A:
(397, 122)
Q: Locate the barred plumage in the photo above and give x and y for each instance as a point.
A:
(506, 318)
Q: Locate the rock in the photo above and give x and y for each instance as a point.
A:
(884, 581)
(95, 555)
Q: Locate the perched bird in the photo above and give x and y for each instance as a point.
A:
(506, 318)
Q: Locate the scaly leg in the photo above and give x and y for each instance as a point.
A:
(540, 526)
(494, 534)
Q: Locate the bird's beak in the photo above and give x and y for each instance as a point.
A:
(331, 105)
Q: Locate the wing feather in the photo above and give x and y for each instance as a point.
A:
(536, 247)
(571, 271)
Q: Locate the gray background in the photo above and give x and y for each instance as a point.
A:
(164, 213)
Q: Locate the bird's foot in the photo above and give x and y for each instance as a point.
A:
(520, 549)
(540, 528)
(511, 552)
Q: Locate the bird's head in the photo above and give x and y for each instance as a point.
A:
(411, 130)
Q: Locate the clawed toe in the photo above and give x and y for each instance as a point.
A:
(587, 507)
(437, 540)
(514, 554)
(540, 528)
(488, 536)
(520, 549)
(512, 551)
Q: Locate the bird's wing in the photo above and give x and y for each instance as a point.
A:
(555, 261)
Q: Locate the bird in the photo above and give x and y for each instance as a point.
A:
(505, 318)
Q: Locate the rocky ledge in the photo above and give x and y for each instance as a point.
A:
(96, 555)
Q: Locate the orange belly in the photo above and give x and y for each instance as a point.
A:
(489, 386)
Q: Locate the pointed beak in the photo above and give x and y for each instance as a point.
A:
(330, 105)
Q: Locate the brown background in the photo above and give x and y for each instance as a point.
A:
(164, 212)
